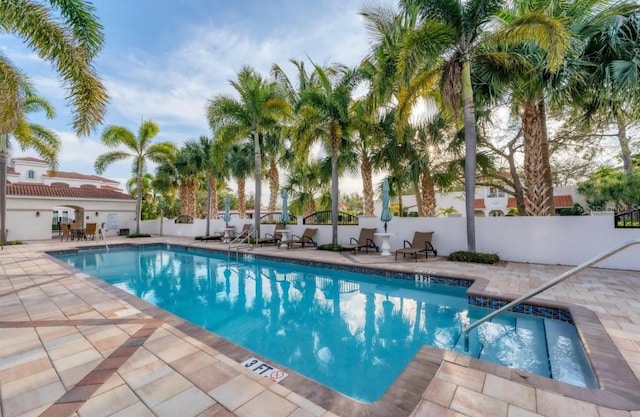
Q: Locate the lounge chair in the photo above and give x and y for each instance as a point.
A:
(364, 241)
(274, 238)
(304, 240)
(246, 228)
(90, 231)
(421, 243)
(66, 232)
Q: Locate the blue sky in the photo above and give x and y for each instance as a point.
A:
(163, 59)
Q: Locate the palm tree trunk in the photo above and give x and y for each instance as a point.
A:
(213, 184)
(625, 150)
(209, 180)
(428, 196)
(539, 184)
(242, 205)
(367, 187)
(258, 180)
(139, 200)
(470, 155)
(335, 138)
(4, 140)
(188, 198)
(274, 185)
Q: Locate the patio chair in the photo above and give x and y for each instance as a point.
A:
(66, 232)
(90, 231)
(274, 238)
(304, 240)
(421, 243)
(364, 241)
(246, 229)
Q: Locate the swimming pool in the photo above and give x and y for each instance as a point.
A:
(352, 332)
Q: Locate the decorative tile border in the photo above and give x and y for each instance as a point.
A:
(529, 309)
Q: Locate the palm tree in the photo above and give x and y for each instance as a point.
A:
(149, 197)
(455, 30)
(29, 136)
(609, 90)
(323, 114)
(261, 108)
(559, 31)
(66, 34)
(139, 148)
(240, 161)
(207, 158)
(304, 182)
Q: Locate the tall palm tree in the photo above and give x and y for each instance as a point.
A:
(454, 29)
(68, 35)
(187, 170)
(240, 161)
(261, 108)
(207, 158)
(610, 87)
(568, 26)
(323, 114)
(139, 148)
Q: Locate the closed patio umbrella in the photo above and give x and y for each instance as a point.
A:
(385, 216)
(284, 215)
(227, 209)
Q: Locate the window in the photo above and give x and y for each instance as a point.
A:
(31, 174)
(495, 193)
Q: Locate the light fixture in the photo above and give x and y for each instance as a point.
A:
(37, 214)
(97, 214)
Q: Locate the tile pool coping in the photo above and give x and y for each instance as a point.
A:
(618, 384)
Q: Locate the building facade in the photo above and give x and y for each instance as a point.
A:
(39, 199)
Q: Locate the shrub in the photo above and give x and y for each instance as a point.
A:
(330, 247)
(135, 235)
(12, 242)
(475, 257)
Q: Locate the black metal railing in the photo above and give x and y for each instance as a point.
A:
(324, 217)
(627, 219)
(184, 219)
(276, 217)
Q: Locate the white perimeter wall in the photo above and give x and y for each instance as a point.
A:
(563, 240)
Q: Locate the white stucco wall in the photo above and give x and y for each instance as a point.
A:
(564, 240)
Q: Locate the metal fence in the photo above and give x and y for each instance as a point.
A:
(324, 217)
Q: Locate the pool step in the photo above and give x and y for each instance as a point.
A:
(567, 358)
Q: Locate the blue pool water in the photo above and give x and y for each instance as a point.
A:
(354, 333)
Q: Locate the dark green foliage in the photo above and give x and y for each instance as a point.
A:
(135, 235)
(475, 257)
(334, 247)
(576, 210)
(12, 242)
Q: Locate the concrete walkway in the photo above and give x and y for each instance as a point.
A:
(71, 345)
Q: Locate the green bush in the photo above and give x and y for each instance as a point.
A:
(135, 235)
(330, 247)
(12, 242)
(475, 257)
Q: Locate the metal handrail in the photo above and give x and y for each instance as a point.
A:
(553, 282)
(236, 244)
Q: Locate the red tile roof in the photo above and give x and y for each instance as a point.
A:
(77, 176)
(559, 201)
(29, 158)
(479, 203)
(39, 190)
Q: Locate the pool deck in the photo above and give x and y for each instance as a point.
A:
(71, 345)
